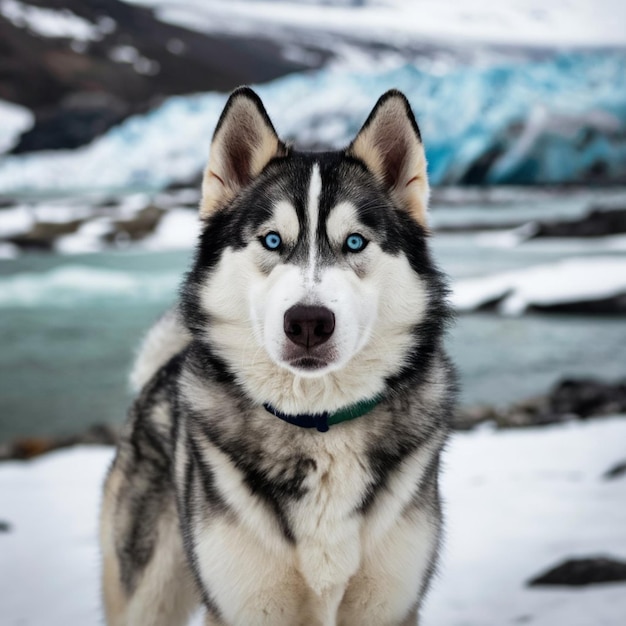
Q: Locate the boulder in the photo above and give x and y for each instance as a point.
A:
(577, 572)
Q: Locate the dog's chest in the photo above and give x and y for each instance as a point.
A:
(325, 519)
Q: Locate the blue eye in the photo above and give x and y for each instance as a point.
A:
(272, 241)
(355, 243)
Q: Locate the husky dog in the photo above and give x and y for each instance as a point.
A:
(280, 464)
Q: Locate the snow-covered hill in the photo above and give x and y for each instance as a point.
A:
(85, 67)
(515, 22)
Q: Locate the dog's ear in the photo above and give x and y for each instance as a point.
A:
(243, 144)
(390, 145)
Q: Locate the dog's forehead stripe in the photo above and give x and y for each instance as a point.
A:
(313, 202)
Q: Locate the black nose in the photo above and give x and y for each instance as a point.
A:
(309, 326)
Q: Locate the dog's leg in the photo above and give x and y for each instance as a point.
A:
(322, 609)
(384, 590)
(210, 620)
(160, 592)
(411, 619)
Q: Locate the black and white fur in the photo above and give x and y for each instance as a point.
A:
(212, 499)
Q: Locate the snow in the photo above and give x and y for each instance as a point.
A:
(570, 280)
(50, 22)
(132, 56)
(515, 22)
(14, 120)
(517, 502)
(15, 220)
(87, 238)
(177, 230)
(464, 113)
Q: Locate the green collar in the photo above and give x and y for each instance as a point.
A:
(322, 421)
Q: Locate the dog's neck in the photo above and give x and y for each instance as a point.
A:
(322, 421)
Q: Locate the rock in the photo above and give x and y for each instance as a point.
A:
(31, 447)
(134, 58)
(616, 471)
(581, 572)
(74, 122)
(599, 222)
(5, 527)
(43, 234)
(587, 397)
(468, 417)
(613, 305)
(568, 399)
(137, 227)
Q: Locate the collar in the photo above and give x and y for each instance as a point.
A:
(322, 421)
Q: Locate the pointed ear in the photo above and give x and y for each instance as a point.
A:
(243, 144)
(391, 147)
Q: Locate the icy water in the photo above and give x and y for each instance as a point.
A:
(69, 326)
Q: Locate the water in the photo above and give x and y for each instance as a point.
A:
(69, 326)
(65, 356)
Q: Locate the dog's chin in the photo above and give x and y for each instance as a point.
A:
(309, 366)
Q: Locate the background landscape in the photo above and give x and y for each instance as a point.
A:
(107, 109)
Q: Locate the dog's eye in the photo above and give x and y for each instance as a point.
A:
(355, 243)
(272, 241)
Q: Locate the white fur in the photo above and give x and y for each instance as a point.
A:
(315, 188)
(164, 340)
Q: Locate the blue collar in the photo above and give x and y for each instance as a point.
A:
(322, 421)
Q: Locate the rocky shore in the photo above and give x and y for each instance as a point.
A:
(136, 219)
(598, 221)
(569, 399)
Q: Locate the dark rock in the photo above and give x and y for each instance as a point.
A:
(569, 399)
(587, 397)
(478, 227)
(193, 183)
(612, 305)
(581, 572)
(43, 234)
(617, 471)
(160, 59)
(468, 417)
(598, 222)
(31, 447)
(137, 227)
(75, 122)
(5, 527)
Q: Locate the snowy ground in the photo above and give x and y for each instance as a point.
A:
(517, 503)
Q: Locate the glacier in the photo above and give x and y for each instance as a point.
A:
(550, 119)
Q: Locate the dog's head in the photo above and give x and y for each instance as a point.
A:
(312, 279)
